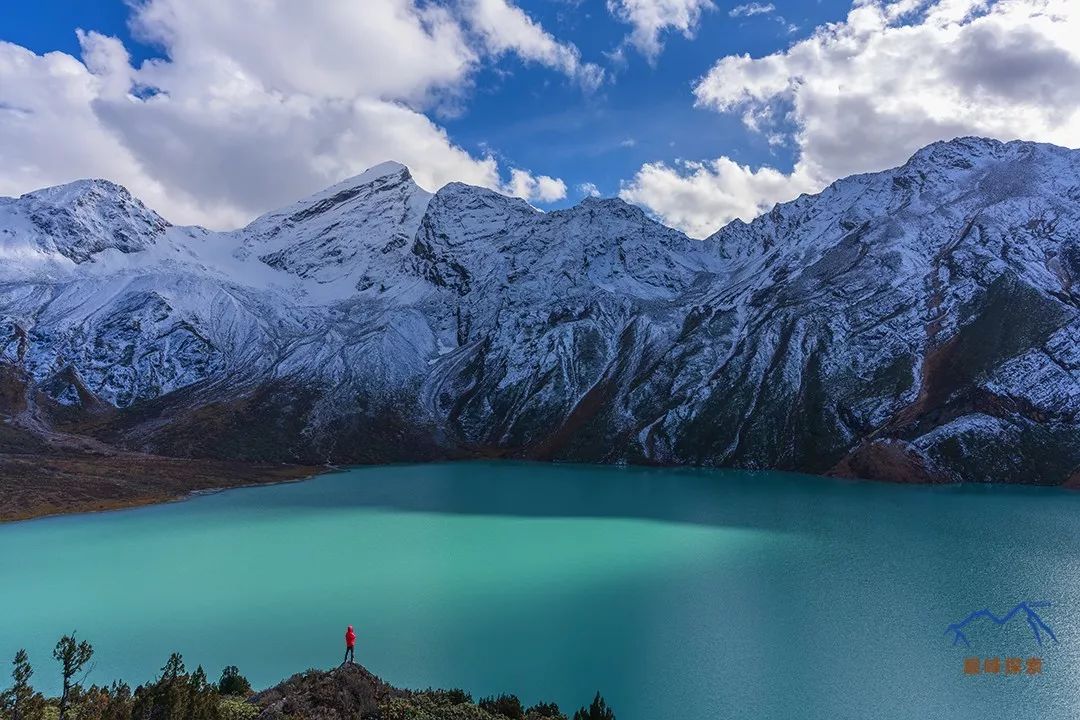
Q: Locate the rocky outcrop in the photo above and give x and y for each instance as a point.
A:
(351, 692)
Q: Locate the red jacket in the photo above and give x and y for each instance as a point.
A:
(350, 637)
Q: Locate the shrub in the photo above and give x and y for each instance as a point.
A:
(457, 696)
(233, 683)
(544, 710)
(599, 710)
(233, 708)
(428, 707)
(505, 705)
(120, 702)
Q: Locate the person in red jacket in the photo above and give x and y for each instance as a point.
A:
(350, 642)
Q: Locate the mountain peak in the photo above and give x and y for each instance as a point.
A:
(383, 173)
(82, 218)
(359, 190)
(477, 202)
(386, 169)
(79, 192)
(965, 152)
(607, 205)
(344, 232)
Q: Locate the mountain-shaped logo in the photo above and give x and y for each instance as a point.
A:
(1027, 610)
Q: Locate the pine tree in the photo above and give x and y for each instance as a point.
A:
(172, 697)
(177, 695)
(173, 669)
(120, 702)
(18, 698)
(545, 710)
(233, 683)
(508, 706)
(202, 698)
(72, 656)
(599, 710)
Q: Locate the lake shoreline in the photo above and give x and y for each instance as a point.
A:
(35, 487)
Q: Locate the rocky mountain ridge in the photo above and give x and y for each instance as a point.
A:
(917, 324)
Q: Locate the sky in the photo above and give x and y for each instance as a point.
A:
(700, 111)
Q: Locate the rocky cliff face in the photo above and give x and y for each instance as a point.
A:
(916, 324)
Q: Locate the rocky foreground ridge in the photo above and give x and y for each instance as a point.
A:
(918, 324)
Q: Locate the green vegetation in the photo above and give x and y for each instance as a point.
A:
(72, 656)
(20, 702)
(505, 705)
(233, 683)
(597, 711)
(346, 693)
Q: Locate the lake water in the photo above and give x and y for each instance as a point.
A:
(677, 594)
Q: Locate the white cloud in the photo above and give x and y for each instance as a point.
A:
(864, 94)
(505, 27)
(247, 113)
(49, 132)
(589, 189)
(652, 18)
(692, 195)
(539, 189)
(388, 49)
(753, 8)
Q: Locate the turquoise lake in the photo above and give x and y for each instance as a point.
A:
(677, 594)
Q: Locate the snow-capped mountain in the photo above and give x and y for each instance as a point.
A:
(78, 220)
(915, 324)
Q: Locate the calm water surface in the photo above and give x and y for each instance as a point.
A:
(678, 594)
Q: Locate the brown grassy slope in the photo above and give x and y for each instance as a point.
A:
(34, 485)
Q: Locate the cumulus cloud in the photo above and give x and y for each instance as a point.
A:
(543, 188)
(652, 18)
(245, 113)
(50, 133)
(505, 28)
(864, 94)
(589, 189)
(692, 195)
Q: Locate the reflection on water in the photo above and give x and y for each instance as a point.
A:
(677, 593)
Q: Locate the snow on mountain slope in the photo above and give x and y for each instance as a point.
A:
(892, 300)
(76, 221)
(914, 324)
(530, 306)
(354, 234)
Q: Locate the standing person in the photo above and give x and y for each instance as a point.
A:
(350, 642)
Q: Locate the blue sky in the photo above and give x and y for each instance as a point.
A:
(532, 118)
(727, 116)
(645, 114)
